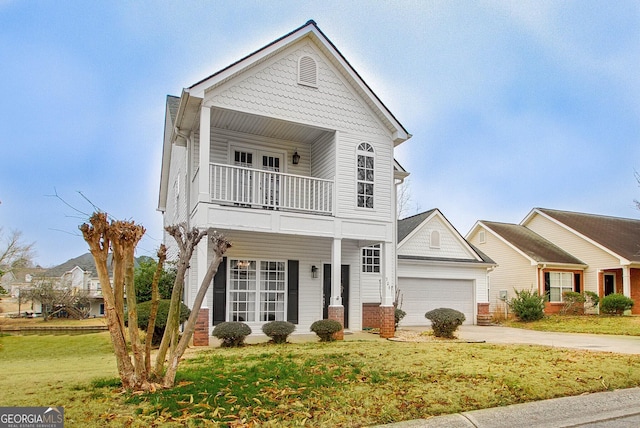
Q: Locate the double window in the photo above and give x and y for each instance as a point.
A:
(365, 175)
(257, 290)
(557, 283)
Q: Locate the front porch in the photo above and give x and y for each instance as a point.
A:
(624, 280)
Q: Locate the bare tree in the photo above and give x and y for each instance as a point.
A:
(404, 205)
(57, 299)
(122, 237)
(14, 252)
(638, 180)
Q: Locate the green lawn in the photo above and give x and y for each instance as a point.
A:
(348, 383)
(595, 324)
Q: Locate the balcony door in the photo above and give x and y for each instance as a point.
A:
(242, 179)
(270, 183)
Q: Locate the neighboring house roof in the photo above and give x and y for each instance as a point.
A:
(619, 235)
(406, 226)
(532, 245)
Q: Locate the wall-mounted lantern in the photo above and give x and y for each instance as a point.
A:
(314, 271)
(296, 158)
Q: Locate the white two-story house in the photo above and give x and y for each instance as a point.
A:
(289, 153)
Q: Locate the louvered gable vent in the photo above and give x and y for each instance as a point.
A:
(308, 72)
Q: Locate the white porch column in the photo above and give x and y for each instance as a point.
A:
(336, 269)
(389, 274)
(204, 179)
(626, 281)
(202, 255)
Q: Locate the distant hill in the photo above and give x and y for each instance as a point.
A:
(84, 262)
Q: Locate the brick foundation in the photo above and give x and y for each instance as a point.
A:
(201, 333)
(371, 315)
(484, 316)
(337, 313)
(387, 321)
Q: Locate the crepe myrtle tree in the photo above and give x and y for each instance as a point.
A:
(121, 237)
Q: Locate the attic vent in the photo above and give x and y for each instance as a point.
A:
(308, 72)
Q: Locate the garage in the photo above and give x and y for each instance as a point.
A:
(420, 295)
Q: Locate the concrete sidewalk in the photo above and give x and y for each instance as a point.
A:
(620, 408)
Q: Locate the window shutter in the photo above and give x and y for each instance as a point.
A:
(547, 285)
(293, 275)
(307, 72)
(220, 293)
(576, 283)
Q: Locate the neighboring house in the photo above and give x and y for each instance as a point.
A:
(289, 153)
(554, 251)
(438, 268)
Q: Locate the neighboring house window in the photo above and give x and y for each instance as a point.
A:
(365, 175)
(557, 283)
(308, 72)
(101, 308)
(257, 290)
(434, 241)
(371, 259)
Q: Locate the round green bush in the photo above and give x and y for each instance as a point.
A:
(144, 310)
(527, 305)
(278, 331)
(231, 333)
(615, 304)
(325, 329)
(398, 315)
(445, 321)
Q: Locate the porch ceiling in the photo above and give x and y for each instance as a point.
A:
(264, 126)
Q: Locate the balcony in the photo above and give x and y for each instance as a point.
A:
(263, 189)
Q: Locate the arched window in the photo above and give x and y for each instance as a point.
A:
(365, 175)
(434, 239)
(307, 71)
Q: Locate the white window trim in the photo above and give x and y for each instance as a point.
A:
(371, 154)
(257, 291)
(562, 289)
(376, 247)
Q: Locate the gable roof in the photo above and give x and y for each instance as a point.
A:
(532, 245)
(309, 29)
(407, 226)
(619, 235)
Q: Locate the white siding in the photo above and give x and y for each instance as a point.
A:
(309, 252)
(419, 243)
(323, 153)
(514, 271)
(588, 253)
(175, 214)
(271, 89)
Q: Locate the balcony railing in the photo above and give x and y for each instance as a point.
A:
(258, 188)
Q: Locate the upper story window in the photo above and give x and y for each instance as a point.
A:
(371, 259)
(434, 239)
(307, 71)
(365, 175)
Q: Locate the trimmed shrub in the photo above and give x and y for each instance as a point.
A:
(573, 303)
(144, 310)
(527, 305)
(615, 304)
(231, 333)
(325, 329)
(399, 314)
(445, 321)
(278, 331)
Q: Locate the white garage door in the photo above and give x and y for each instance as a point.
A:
(420, 295)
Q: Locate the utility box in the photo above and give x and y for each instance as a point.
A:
(503, 295)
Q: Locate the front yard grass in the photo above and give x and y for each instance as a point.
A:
(595, 324)
(350, 383)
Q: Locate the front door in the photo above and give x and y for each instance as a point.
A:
(609, 284)
(326, 295)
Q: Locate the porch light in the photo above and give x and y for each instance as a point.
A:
(296, 158)
(314, 271)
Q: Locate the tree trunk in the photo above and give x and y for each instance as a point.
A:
(155, 301)
(220, 245)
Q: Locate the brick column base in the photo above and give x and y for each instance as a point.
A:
(201, 333)
(387, 321)
(484, 317)
(337, 313)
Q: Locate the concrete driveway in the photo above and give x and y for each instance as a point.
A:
(591, 342)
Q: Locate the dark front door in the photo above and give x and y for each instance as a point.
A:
(344, 278)
(609, 284)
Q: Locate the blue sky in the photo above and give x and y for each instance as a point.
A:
(512, 104)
